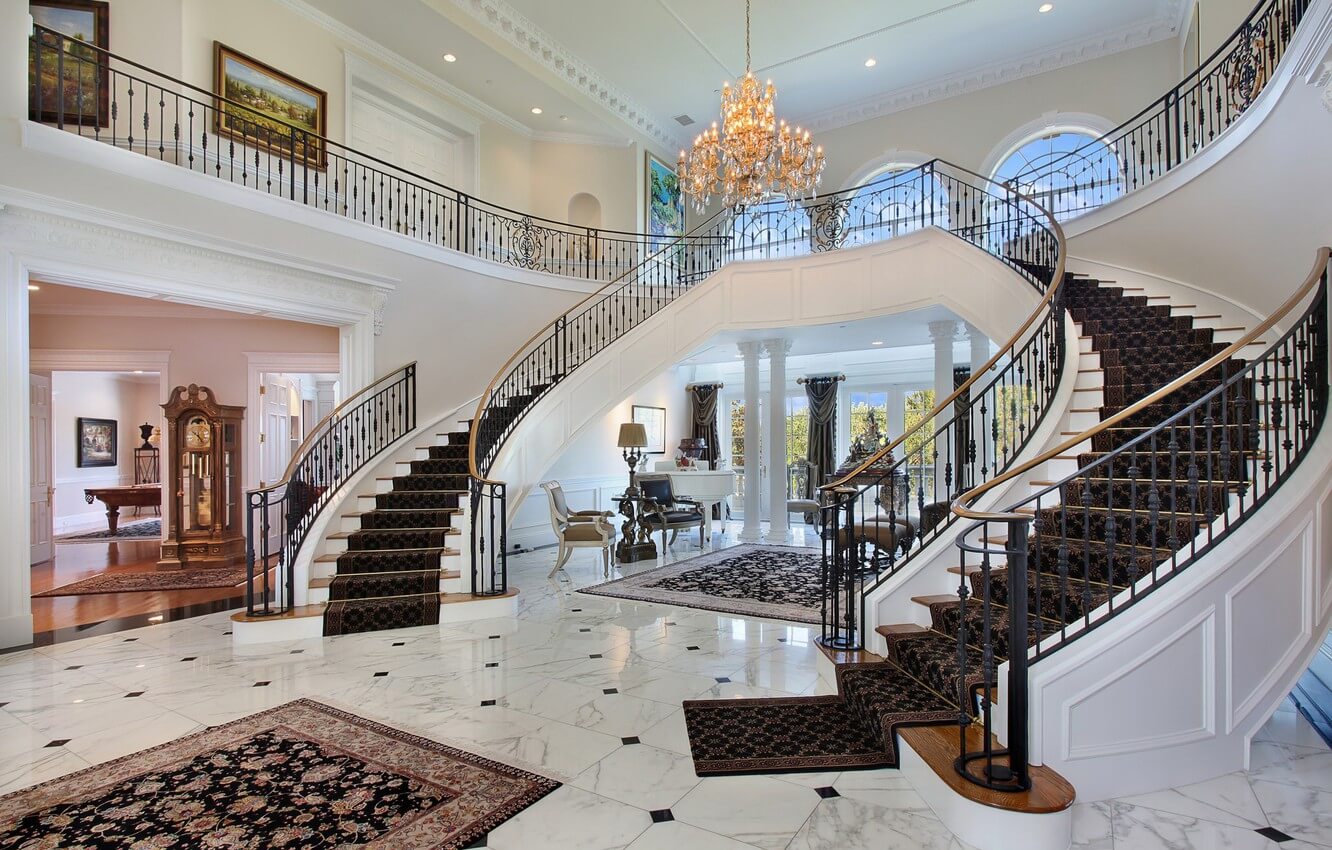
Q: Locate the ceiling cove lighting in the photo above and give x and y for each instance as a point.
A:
(449, 57)
(751, 155)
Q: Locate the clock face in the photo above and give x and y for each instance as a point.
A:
(198, 435)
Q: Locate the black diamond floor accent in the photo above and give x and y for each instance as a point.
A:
(584, 631)
(261, 684)
(400, 643)
(130, 640)
(190, 658)
(692, 648)
(661, 815)
(133, 694)
(297, 651)
(58, 742)
(632, 739)
(487, 702)
(721, 680)
(495, 637)
(575, 610)
(595, 655)
(610, 690)
(477, 844)
(74, 667)
(669, 623)
(226, 633)
(493, 664)
(827, 791)
(379, 674)
(1273, 834)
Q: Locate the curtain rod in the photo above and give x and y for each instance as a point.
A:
(810, 378)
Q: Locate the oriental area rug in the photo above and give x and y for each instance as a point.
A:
(148, 582)
(300, 776)
(774, 582)
(148, 529)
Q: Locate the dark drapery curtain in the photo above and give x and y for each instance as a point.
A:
(962, 435)
(822, 394)
(703, 398)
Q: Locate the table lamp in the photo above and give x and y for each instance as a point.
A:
(633, 437)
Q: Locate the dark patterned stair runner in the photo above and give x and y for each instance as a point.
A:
(1075, 564)
(389, 576)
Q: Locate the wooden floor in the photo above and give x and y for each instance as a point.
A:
(67, 617)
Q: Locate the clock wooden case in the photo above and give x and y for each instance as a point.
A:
(203, 486)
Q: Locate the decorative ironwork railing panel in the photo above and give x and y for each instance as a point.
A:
(279, 517)
(1176, 126)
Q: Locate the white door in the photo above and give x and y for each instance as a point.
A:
(42, 493)
(274, 428)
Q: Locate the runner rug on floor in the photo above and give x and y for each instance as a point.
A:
(186, 579)
(302, 775)
(777, 582)
(148, 529)
(854, 730)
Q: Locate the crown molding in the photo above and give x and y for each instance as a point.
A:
(367, 50)
(999, 73)
(518, 30)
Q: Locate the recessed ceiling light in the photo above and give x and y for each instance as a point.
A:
(871, 62)
(564, 117)
(877, 342)
(449, 57)
(32, 287)
(1045, 7)
(536, 110)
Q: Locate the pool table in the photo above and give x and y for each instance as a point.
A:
(115, 498)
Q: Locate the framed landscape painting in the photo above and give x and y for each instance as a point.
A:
(653, 420)
(74, 88)
(97, 442)
(665, 204)
(268, 108)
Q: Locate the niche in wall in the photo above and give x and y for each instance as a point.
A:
(584, 210)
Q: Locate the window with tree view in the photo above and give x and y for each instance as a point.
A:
(918, 448)
(862, 403)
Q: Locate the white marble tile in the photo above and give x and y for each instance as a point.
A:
(1302, 813)
(151, 731)
(641, 776)
(1227, 799)
(886, 788)
(841, 823)
(1092, 829)
(756, 810)
(1291, 727)
(674, 835)
(1146, 829)
(669, 734)
(573, 818)
(619, 714)
(557, 749)
(38, 766)
(1308, 768)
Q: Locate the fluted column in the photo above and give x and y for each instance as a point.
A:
(944, 334)
(777, 518)
(750, 533)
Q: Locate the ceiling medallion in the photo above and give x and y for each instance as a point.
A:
(752, 155)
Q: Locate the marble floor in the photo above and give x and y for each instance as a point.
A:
(587, 690)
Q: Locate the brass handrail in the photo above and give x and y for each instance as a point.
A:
(323, 424)
(1055, 283)
(960, 504)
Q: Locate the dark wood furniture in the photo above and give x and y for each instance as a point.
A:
(635, 532)
(115, 498)
(206, 506)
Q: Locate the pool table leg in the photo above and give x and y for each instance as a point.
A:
(112, 518)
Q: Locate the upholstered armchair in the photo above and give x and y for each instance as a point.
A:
(578, 529)
(669, 512)
(802, 475)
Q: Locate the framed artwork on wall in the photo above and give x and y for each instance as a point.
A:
(665, 203)
(74, 88)
(269, 109)
(653, 420)
(97, 442)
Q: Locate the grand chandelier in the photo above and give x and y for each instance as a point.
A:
(752, 155)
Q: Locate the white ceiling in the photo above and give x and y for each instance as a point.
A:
(614, 68)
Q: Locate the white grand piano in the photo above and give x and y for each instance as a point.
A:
(707, 487)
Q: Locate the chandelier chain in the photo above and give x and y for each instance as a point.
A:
(747, 63)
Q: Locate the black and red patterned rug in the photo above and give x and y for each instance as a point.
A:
(775, 582)
(197, 578)
(299, 776)
(854, 730)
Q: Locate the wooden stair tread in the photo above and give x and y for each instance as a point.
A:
(295, 613)
(900, 629)
(935, 599)
(937, 747)
(455, 598)
(343, 535)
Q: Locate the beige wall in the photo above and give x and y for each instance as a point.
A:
(209, 352)
(560, 171)
(1218, 20)
(100, 395)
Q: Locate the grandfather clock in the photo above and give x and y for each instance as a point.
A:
(203, 487)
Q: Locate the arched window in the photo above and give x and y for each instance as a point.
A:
(1067, 171)
(895, 200)
(768, 230)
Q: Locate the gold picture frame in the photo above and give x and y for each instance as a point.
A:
(261, 106)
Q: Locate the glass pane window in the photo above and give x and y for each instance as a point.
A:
(797, 440)
(919, 447)
(1067, 172)
(897, 201)
(863, 405)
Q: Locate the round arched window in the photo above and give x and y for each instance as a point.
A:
(1068, 172)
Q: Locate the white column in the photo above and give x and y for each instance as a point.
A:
(15, 455)
(777, 518)
(750, 350)
(980, 347)
(944, 333)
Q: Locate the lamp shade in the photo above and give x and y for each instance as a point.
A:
(633, 435)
